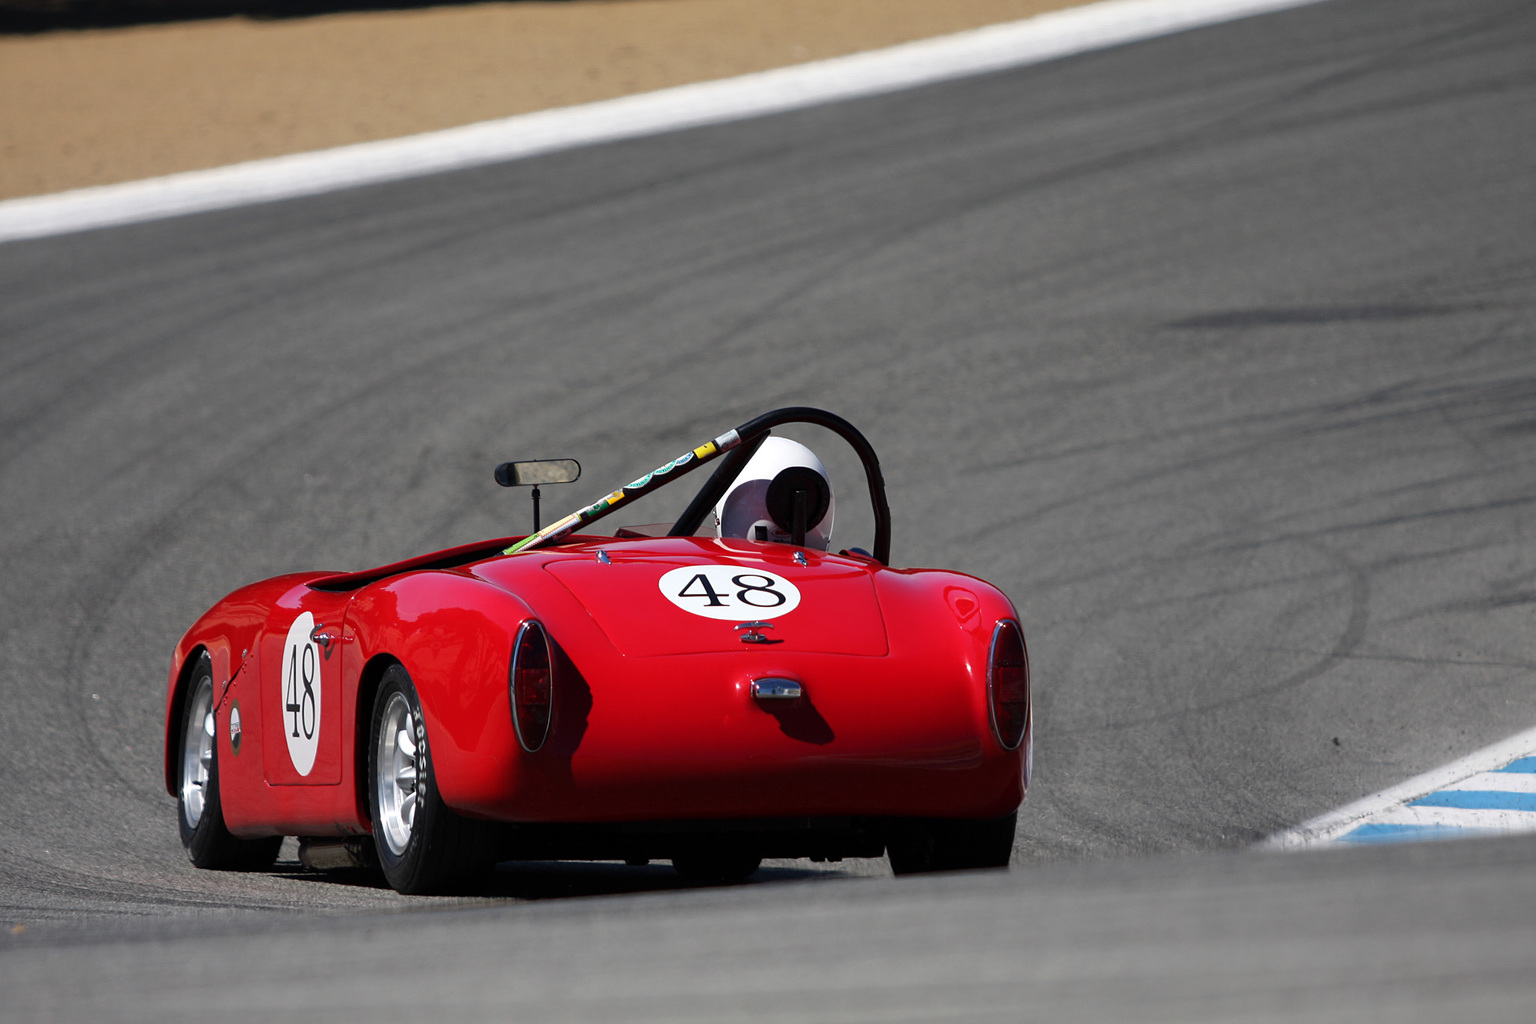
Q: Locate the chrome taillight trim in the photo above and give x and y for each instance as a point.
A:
(530, 744)
(1029, 714)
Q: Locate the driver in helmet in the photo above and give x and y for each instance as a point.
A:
(761, 503)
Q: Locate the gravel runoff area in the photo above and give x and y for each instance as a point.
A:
(81, 107)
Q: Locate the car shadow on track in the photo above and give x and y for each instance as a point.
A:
(545, 880)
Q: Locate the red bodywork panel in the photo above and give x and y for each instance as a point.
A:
(654, 717)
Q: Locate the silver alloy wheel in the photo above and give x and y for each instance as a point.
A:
(395, 782)
(197, 753)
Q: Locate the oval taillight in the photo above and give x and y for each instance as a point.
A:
(1008, 684)
(530, 683)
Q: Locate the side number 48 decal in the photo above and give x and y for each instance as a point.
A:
(299, 700)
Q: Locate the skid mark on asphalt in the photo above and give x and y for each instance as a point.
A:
(1490, 792)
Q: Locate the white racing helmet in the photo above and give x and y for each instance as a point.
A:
(760, 503)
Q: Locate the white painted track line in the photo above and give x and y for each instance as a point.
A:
(1501, 784)
(1475, 820)
(994, 48)
(1507, 782)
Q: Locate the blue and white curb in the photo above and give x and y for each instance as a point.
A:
(1015, 44)
(1491, 792)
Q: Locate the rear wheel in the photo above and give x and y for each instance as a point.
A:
(939, 844)
(208, 842)
(423, 846)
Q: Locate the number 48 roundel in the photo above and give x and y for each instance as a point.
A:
(300, 696)
(729, 592)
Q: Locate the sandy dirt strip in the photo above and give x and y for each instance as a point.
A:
(89, 107)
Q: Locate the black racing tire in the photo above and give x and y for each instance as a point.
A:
(921, 845)
(716, 866)
(199, 811)
(423, 846)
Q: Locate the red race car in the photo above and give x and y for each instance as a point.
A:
(711, 692)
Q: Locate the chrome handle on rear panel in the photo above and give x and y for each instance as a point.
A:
(752, 636)
(777, 689)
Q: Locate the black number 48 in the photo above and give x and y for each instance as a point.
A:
(755, 595)
(301, 669)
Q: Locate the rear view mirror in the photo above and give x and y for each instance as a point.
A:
(536, 472)
(539, 471)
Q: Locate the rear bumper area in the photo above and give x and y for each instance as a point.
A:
(635, 792)
(687, 740)
(702, 748)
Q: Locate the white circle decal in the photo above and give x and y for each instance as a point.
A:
(300, 696)
(729, 592)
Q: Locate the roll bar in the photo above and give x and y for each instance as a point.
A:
(754, 432)
(737, 446)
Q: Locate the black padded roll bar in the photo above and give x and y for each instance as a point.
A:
(754, 432)
(733, 446)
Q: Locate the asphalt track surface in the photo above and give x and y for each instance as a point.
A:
(1217, 353)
